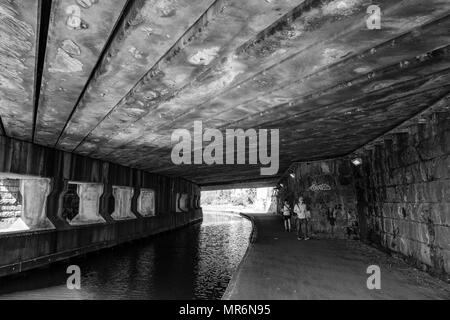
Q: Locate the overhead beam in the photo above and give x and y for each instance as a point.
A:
(398, 63)
(19, 29)
(416, 47)
(201, 50)
(45, 10)
(375, 100)
(150, 33)
(240, 184)
(116, 141)
(77, 37)
(356, 91)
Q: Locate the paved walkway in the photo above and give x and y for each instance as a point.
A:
(278, 266)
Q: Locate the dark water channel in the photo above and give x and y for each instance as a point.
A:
(192, 263)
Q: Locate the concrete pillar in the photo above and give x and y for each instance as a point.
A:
(34, 207)
(195, 202)
(146, 203)
(184, 202)
(89, 210)
(177, 203)
(31, 211)
(123, 197)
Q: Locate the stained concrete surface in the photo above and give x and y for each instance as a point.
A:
(118, 77)
(278, 266)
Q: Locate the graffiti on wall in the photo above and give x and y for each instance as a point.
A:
(320, 187)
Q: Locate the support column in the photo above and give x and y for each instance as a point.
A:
(123, 197)
(24, 202)
(146, 203)
(89, 209)
(177, 203)
(184, 202)
(34, 207)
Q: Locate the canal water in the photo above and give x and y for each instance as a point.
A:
(196, 262)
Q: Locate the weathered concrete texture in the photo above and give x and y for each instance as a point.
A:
(146, 203)
(77, 36)
(318, 73)
(18, 42)
(278, 267)
(404, 193)
(89, 206)
(100, 203)
(148, 31)
(325, 186)
(23, 158)
(309, 68)
(196, 53)
(34, 209)
(122, 197)
(23, 203)
(182, 202)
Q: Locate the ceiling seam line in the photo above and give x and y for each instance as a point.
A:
(43, 23)
(360, 97)
(248, 79)
(397, 99)
(107, 45)
(155, 66)
(432, 22)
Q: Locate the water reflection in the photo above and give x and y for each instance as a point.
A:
(193, 263)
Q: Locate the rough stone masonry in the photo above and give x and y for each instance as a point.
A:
(403, 191)
(10, 202)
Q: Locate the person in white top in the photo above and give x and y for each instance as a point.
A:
(287, 216)
(302, 215)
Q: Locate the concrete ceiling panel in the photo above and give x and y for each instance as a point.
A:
(19, 31)
(78, 33)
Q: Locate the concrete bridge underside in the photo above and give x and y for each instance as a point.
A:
(92, 90)
(111, 80)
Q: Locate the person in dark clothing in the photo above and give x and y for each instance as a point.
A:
(287, 216)
(332, 217)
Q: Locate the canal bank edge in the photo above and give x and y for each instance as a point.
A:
(60, 245)
(235, 278)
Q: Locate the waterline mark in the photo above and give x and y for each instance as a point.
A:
(207, 147)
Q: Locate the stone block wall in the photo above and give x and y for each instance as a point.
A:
(403, 190)
(10, 202)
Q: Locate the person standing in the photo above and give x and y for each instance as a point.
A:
(332, 217)
(302, 219)
(287, 216)
(308, 218)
